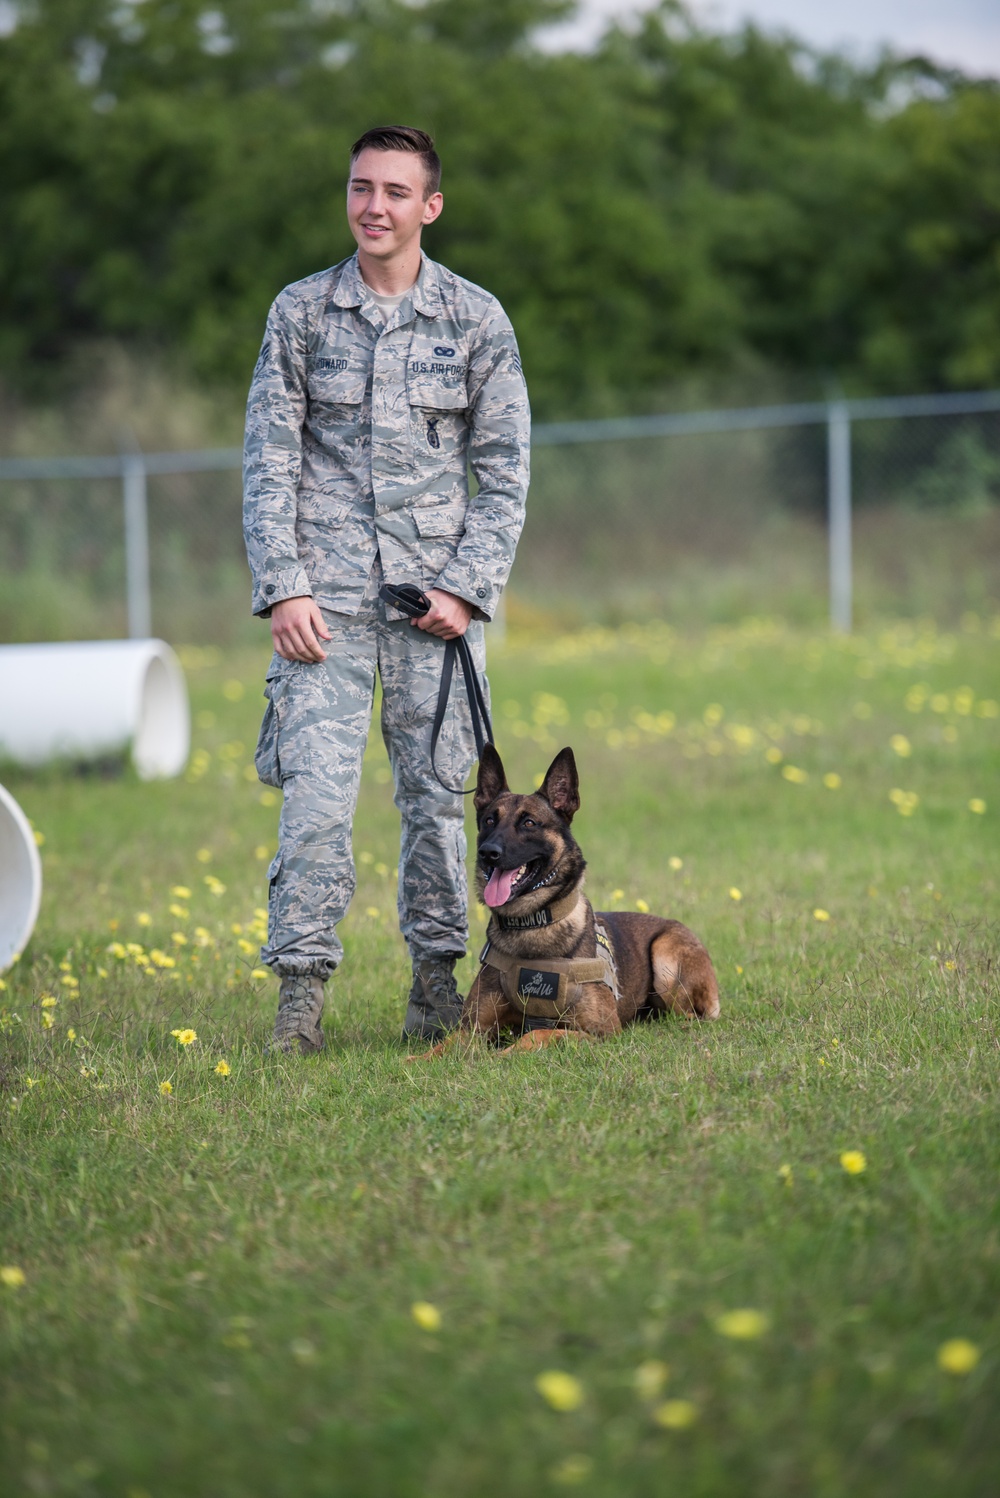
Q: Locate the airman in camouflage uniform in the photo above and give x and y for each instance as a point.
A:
(362, 423)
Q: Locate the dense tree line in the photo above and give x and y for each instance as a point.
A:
(675, 200)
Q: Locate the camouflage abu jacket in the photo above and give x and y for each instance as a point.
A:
(360, 433)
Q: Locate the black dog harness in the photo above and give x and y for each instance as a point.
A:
(409, 600)
(549, 988)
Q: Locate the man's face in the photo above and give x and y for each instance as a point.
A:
(386, 207)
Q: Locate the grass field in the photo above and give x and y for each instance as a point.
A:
(210, 1270)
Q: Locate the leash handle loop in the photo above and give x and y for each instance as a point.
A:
(410, 600)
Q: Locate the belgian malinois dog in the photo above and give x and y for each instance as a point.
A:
(552, 967)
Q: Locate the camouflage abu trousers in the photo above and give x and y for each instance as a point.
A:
(312, 743)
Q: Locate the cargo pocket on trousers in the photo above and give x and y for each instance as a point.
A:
(266, 754)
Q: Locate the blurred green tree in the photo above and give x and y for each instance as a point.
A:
(675, 200)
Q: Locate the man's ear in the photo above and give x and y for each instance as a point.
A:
(561, 786)
(490, 781)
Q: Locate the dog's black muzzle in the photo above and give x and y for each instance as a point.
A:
(491, 852)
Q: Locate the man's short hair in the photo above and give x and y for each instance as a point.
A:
(403, 138)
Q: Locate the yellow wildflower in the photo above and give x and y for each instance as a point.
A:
(181, 892)
(166, 1088)
(180, 911)
(178, 938)
(854, 1162)
(160, 959)
(48, 1021)
(13, 1277)
(116, 949)
(977, 805)
(223, 1069)
(68, 981)
(742, 1325)
(204, 855)
(617, 894)
(795, 775)
(427, 1317)
(144, 918)
(641, 905)
(676, 1414)
(71, 1033)
(821, 915)
(785, 1173)
(572, 1469)
(902, 745)
(675, 863)
(958, 1356)
(832, 781)
(735, 894)
(259, 972)
(649, 1378)
(561, 1391)
(184, 1037)
(773, 755)
(48, 1001)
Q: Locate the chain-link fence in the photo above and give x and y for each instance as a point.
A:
(851, 509)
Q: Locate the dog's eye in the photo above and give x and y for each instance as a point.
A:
(490, 821)
(528, 822)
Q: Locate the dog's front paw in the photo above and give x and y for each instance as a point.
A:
(463, 1039)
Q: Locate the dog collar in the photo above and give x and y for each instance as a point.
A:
(547, 916)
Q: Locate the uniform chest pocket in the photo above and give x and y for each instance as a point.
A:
(335, 382)
(437, 414)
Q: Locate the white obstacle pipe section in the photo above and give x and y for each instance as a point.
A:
(20, 880)
(85, 700)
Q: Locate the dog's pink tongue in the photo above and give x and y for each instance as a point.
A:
(498, 887)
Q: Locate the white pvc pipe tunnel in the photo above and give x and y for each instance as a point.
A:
(20, 880)
(87, 700)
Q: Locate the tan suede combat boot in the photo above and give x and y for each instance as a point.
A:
(435, 1005)
(300, 1008)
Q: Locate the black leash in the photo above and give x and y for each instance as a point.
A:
(409, 600)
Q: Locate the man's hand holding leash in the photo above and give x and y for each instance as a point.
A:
(448, 616)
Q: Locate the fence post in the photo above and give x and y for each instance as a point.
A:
(140, 620)
(838, 471)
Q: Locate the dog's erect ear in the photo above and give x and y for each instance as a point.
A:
(561, 786)
(491, 779)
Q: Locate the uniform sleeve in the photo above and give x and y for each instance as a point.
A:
(499, 454)
(272, 459)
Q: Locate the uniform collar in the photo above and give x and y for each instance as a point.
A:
(352, 290)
